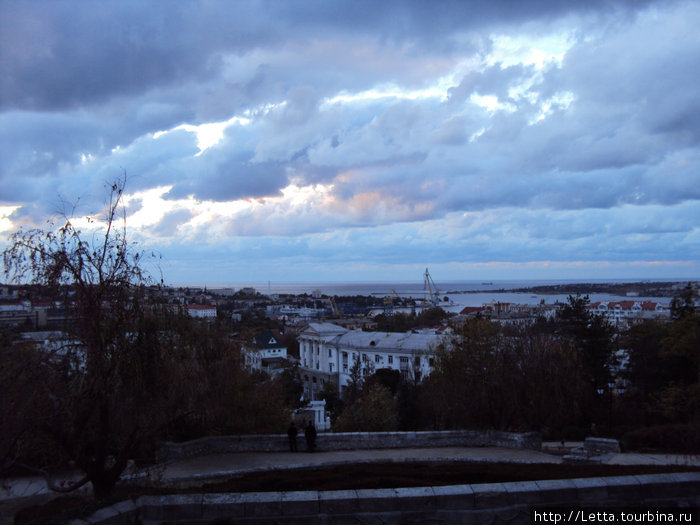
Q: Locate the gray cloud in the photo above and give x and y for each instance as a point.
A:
(606, 139)
(168, 225)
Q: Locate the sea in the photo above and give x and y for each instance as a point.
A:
(458, 293)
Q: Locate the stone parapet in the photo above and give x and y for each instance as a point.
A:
(168, 451)
(482, 503)
(597, 446)
(594, 450)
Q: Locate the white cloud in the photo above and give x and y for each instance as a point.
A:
(538, 51)
(6, 212)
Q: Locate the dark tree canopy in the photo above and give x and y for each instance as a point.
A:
(593, 336)
(131, 369)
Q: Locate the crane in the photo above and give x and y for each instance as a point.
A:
(389, 302)
(430, 290)
(334, 306)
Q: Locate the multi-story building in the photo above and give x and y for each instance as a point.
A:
(202, 311)
(626, 312)
(328, 352)
(265, 352)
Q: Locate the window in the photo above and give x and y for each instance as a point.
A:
(377, 358)
(330, 367)
(431, 362)
(417, 361)
(330, 353)
(313, 379)
(391, 359)
(364, 358)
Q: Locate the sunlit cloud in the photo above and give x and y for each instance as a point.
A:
(6, 223)
(559, 101)
(211, 133)
(491, 103)
(539, 51)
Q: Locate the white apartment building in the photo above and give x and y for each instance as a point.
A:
(328, 352)
(202, 311)
(626, 312)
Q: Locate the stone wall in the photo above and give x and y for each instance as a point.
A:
(485, 503)
(168, 451)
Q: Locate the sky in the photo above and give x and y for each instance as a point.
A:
(328, 141)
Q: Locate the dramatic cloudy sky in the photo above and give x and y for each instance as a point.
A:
(363, 140)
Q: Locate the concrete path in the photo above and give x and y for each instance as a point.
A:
(633, 458)
(213, 466)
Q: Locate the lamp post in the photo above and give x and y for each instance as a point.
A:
(611, 386)
(600, 390)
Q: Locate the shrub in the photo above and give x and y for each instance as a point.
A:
(679, 438)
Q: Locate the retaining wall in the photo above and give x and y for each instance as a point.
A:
(350, 441)
(485, 503)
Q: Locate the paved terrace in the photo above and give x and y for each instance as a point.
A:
(211, 467)
(19, 492)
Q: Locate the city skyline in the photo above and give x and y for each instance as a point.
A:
(362, 142)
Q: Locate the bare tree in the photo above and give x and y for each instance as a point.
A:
(109, 392)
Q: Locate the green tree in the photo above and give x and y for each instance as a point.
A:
(592, 335)
(463, 380)
(24, 405)
(291, 386)
(334, 404)
(683, 341)
(354, 387)
(403, 322)
(387, 377)
(488, 377)
(685, 303)
(374, 411)
(647, 371)
(431, 317)
(680, 401)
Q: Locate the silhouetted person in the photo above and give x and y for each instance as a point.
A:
(310, 435)
(292, 435)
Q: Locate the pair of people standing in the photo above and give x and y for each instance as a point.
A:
(309, 434)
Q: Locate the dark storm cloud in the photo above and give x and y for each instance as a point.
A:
(64, 54)
(230, 178)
